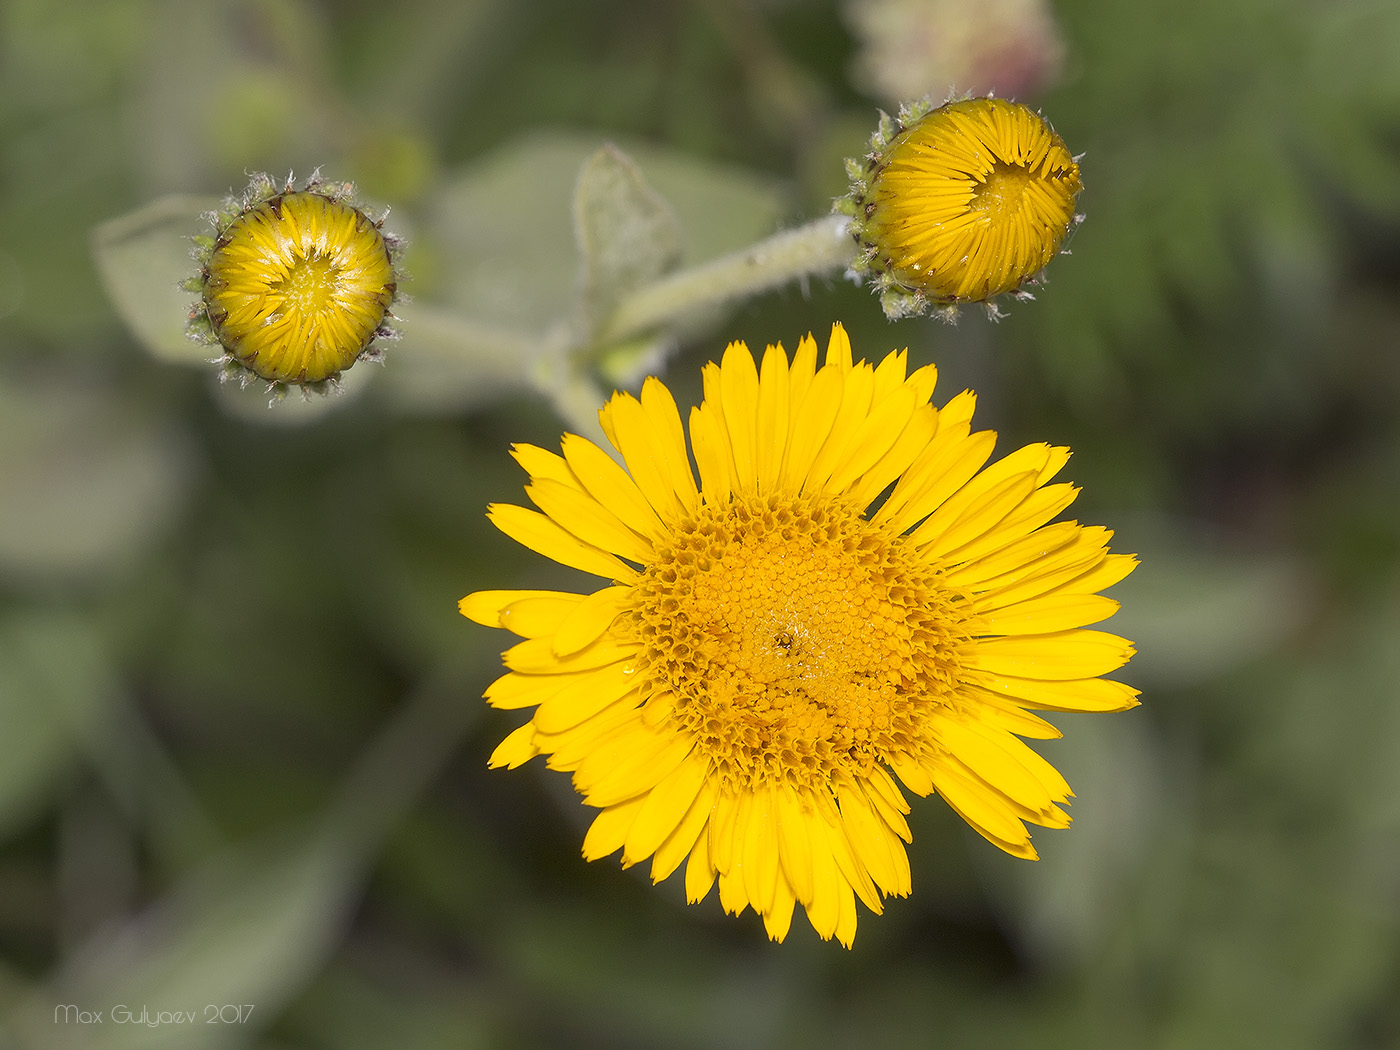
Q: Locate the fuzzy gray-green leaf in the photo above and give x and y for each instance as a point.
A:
(627, 234)
(143, 258)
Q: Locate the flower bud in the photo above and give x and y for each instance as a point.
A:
(959, 204)
(295, 285)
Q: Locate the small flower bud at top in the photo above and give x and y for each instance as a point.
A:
(907, 48)
(960, 204)
(296, 284)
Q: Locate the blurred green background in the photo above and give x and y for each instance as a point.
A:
(242, 751)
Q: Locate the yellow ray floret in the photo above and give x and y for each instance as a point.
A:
(777, 649)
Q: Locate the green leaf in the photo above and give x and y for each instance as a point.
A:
(721, 208)
(143, 257)
(626, 233)
(54, 683)
(500, 235)
(85, 482)
(246, 932)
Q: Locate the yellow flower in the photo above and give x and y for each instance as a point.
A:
(960, 204)
(296, 285)
(779, 647)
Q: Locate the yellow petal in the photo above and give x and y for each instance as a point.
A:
(1048, 815)
(873, 844)
(589, 620)
(874, 438)
(838, 348)
(811, 423)
(852, 869)
(890, 374)
(1055, 462)
(541, 463)
(583, 516)
(1038, 508)
(922, 382)
(732, 896)
(537, 656)
(637, 771)
(804, 368)
(738, 867)
(1052, 612)
(609, 829)
(1006, 713)
(777, 920)
(570, 749)
(941, 470)
(584, 695)
(958, 521)
(699, 871)
(1010, 557)
(681, 842)
(738, 391)
(957, 414)
(1091, 694)
(824, 910)
(637, 439)
(1057, 657)
(512, 691)
(665, 419)
(992, 759)
(846, 921)
(665, 808)
(611, 486)
(530, 614)
(857, 388)
(912, 440)
(1033, 577)
(515, 750)
(773, 408)
(532, 529)
(976, 491)
(760, 851)
(722, 831)
(912, 774)
(889, 801)
(795, 842)
(1108, 572)
(984, 810)
(711, 446)
(623, 739)
(1050, 778)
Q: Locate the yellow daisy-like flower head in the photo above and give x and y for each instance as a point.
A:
(295, 285)
(848, 601)
(960, 204)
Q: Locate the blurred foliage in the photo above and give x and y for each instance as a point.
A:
(242, 755)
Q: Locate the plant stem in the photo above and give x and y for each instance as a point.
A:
(820, 247)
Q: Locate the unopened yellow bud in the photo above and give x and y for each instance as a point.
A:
(296, 285)
(960, 204)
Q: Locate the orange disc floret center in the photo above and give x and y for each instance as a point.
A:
(310, 286)
(1000, 196)
(298, 286)
(794, 640)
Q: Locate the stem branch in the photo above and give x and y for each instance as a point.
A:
(820, 247)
